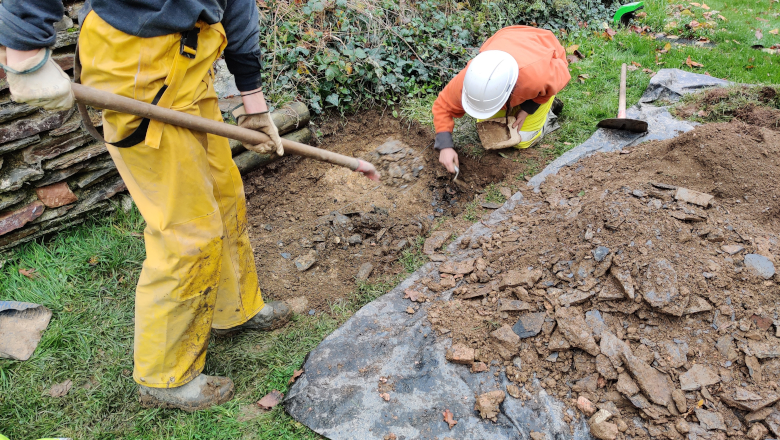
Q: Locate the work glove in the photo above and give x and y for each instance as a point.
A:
(263, 123)
(38, 81)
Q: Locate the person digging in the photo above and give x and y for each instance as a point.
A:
(509, 87)
(199, 273)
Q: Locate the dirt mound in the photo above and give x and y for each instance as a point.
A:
(760, 116)
(638, 286)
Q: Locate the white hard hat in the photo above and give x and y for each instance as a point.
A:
(489, 81)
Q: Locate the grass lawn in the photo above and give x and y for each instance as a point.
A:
(87, 274)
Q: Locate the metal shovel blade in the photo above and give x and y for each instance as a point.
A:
(632, 125)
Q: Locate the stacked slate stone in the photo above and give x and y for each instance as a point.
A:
(53, 174)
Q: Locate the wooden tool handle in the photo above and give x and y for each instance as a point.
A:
(109, 101)
(622, 102)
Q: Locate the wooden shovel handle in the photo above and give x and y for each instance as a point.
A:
(109, 101)
(622, 101)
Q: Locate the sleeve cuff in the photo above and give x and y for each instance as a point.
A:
(529, 107)
(246, 70)
(443, 141)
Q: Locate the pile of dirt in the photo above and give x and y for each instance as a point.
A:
(638, 286)
(316, 228)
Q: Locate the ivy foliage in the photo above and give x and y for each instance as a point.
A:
(343, 53)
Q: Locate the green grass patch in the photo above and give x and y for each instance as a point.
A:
(412, 258)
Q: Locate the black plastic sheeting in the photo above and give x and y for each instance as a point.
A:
(338, 394)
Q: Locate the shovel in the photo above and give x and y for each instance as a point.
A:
(109, 101)
(621, 122)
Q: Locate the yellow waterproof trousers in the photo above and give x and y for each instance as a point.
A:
(533, 124)
(199, 271)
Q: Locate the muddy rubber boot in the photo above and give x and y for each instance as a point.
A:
(557, 106)
(273, 315)
(199, 393)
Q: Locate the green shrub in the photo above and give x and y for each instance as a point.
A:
(342, 53)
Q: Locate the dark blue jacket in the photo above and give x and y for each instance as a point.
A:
(29, 24)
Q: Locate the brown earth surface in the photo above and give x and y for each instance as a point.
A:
(623, 295)
(291, 201)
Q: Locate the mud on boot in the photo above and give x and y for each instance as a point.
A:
(199, 393)
(273, 315)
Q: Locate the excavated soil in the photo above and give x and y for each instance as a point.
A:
(617, 294)
(341, 220)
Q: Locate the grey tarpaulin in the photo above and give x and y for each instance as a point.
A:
(338, 395)
(667, 86)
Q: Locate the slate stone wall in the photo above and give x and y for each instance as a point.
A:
(53, 174)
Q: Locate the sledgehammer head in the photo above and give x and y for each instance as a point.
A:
(632, 125)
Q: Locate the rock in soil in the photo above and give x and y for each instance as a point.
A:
(436, 241)
(710, 420)
(488, 404)
(655, 385)
(529, 325)
(698, 376)
(364, 271)
(572, 324)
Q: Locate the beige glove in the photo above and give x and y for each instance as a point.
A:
(263, 123)
(38, 81)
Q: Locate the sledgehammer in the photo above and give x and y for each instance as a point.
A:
(109, 101)
(621, 122)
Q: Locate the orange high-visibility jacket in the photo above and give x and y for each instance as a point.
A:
(543, 73)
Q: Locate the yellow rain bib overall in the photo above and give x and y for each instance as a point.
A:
(199, 271)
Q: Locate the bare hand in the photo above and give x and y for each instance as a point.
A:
(449, 158)
(520, 120)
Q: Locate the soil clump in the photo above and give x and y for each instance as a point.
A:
(642, 288)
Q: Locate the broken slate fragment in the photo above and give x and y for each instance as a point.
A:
(306, 261)
(489, 205)
(675, 355)
(506, 336)
(765, 349)
(605, 368)
(659, 287)
(697, 304)
(596, 323)
(710, 420)
(529, 325)
(655, 385)
(575, 330)
(575, 297)
(694, 197)
(698, 376)
(523, 278)
(505, 305)
(624, 281)
(460, 354)
(760, 265)
(558, 342)
(600, 253)
(732, 249)
(364, 271)
(612, 347)
(748, 401)
(435, 241)
(457, 267)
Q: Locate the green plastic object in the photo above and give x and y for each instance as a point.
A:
(626, 12)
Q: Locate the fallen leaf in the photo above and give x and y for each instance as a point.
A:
(762, 20)
(570, 50)
(60, 389)
(270, 400)
(582, 77)
(649, 72)
(704, 6)
(93, 260)
(774, 31)
(29, 273)
(636, 64)
(632, 68)
(390, 436)
(385, 397)
(571, 59)
(750, 66)
(295, 375)
(759, 35)
(611, 32)
(691, 63)
(448, 418)
(695, 4)
(722, 17)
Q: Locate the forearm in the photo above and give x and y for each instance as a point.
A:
(254, 101)
(242, 54)
(27, 25)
